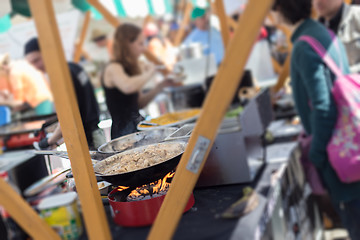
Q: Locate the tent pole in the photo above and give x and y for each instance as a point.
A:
(185, 21)
(80, 43)
(70, 120)
(24, 215)
(285, 72)
(220, 12)
(216, 104)
(106, 14)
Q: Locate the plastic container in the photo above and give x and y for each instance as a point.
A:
(61, 213)
(103, 187)
(5, 115)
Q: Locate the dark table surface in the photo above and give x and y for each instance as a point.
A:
(203, 220)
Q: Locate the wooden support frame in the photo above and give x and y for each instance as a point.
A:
(24, 215)
(285, 72)
(106, 14)
(214, 109)
(185, 21)
(284, 29)
(70, 120)
(80, 43)
(220, 12)
(276, 65)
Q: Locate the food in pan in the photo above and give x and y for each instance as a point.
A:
(171, 118)
(140, 158)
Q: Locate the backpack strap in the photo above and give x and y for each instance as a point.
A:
(337, 46)
(320, 50)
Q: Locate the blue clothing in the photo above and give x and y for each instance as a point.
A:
(213, 45)
(311, 82)
(5, 115)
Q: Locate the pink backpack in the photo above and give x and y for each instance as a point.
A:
(344, 146)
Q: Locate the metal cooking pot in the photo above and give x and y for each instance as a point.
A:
(142, 176)
(134, 140)
(193, 50)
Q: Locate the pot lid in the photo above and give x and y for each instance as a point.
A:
(57, 200)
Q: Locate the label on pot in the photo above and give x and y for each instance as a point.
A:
(198, 154)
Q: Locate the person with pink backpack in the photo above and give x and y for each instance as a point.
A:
(315, 81)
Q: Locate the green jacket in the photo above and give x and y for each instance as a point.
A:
(311, 81)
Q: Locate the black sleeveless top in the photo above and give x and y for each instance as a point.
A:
(124, 110)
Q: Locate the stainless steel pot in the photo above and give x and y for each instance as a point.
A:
(137, 139)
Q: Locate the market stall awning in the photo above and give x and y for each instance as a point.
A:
(121, 8)
(5, 23)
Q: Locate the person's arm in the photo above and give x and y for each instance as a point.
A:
(7, 99)
(115, 76)
(56, 136)
(146, 97)
(323, 109)
(46, 142)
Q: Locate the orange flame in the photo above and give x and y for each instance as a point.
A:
(154, 187)
(122, 188)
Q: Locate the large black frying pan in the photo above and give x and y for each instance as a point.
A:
(142, 176)
(137, 139)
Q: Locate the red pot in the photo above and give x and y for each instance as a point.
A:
(139, 213)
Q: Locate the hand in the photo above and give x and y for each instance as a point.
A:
(169, 83)
(42, 144)
(149, 67)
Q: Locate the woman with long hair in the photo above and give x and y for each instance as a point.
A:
(123, 79)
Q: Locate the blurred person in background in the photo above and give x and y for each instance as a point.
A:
(103, 43)
(173, 28)
(159, 46)
(311, 82)
(124, 78)
(87, 103)
(344, 21)
(24, 87)
(207, 36)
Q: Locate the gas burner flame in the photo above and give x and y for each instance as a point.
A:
(158, 187)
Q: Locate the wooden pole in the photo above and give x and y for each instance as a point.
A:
(85, 55)
(80, 43)
(106, 14)
(285, 69)
(24, 215)
(214, 109)
(284, 29)
(184, 24)
(276, 65)
(220, 11)
(285, 72)
(70, 120)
